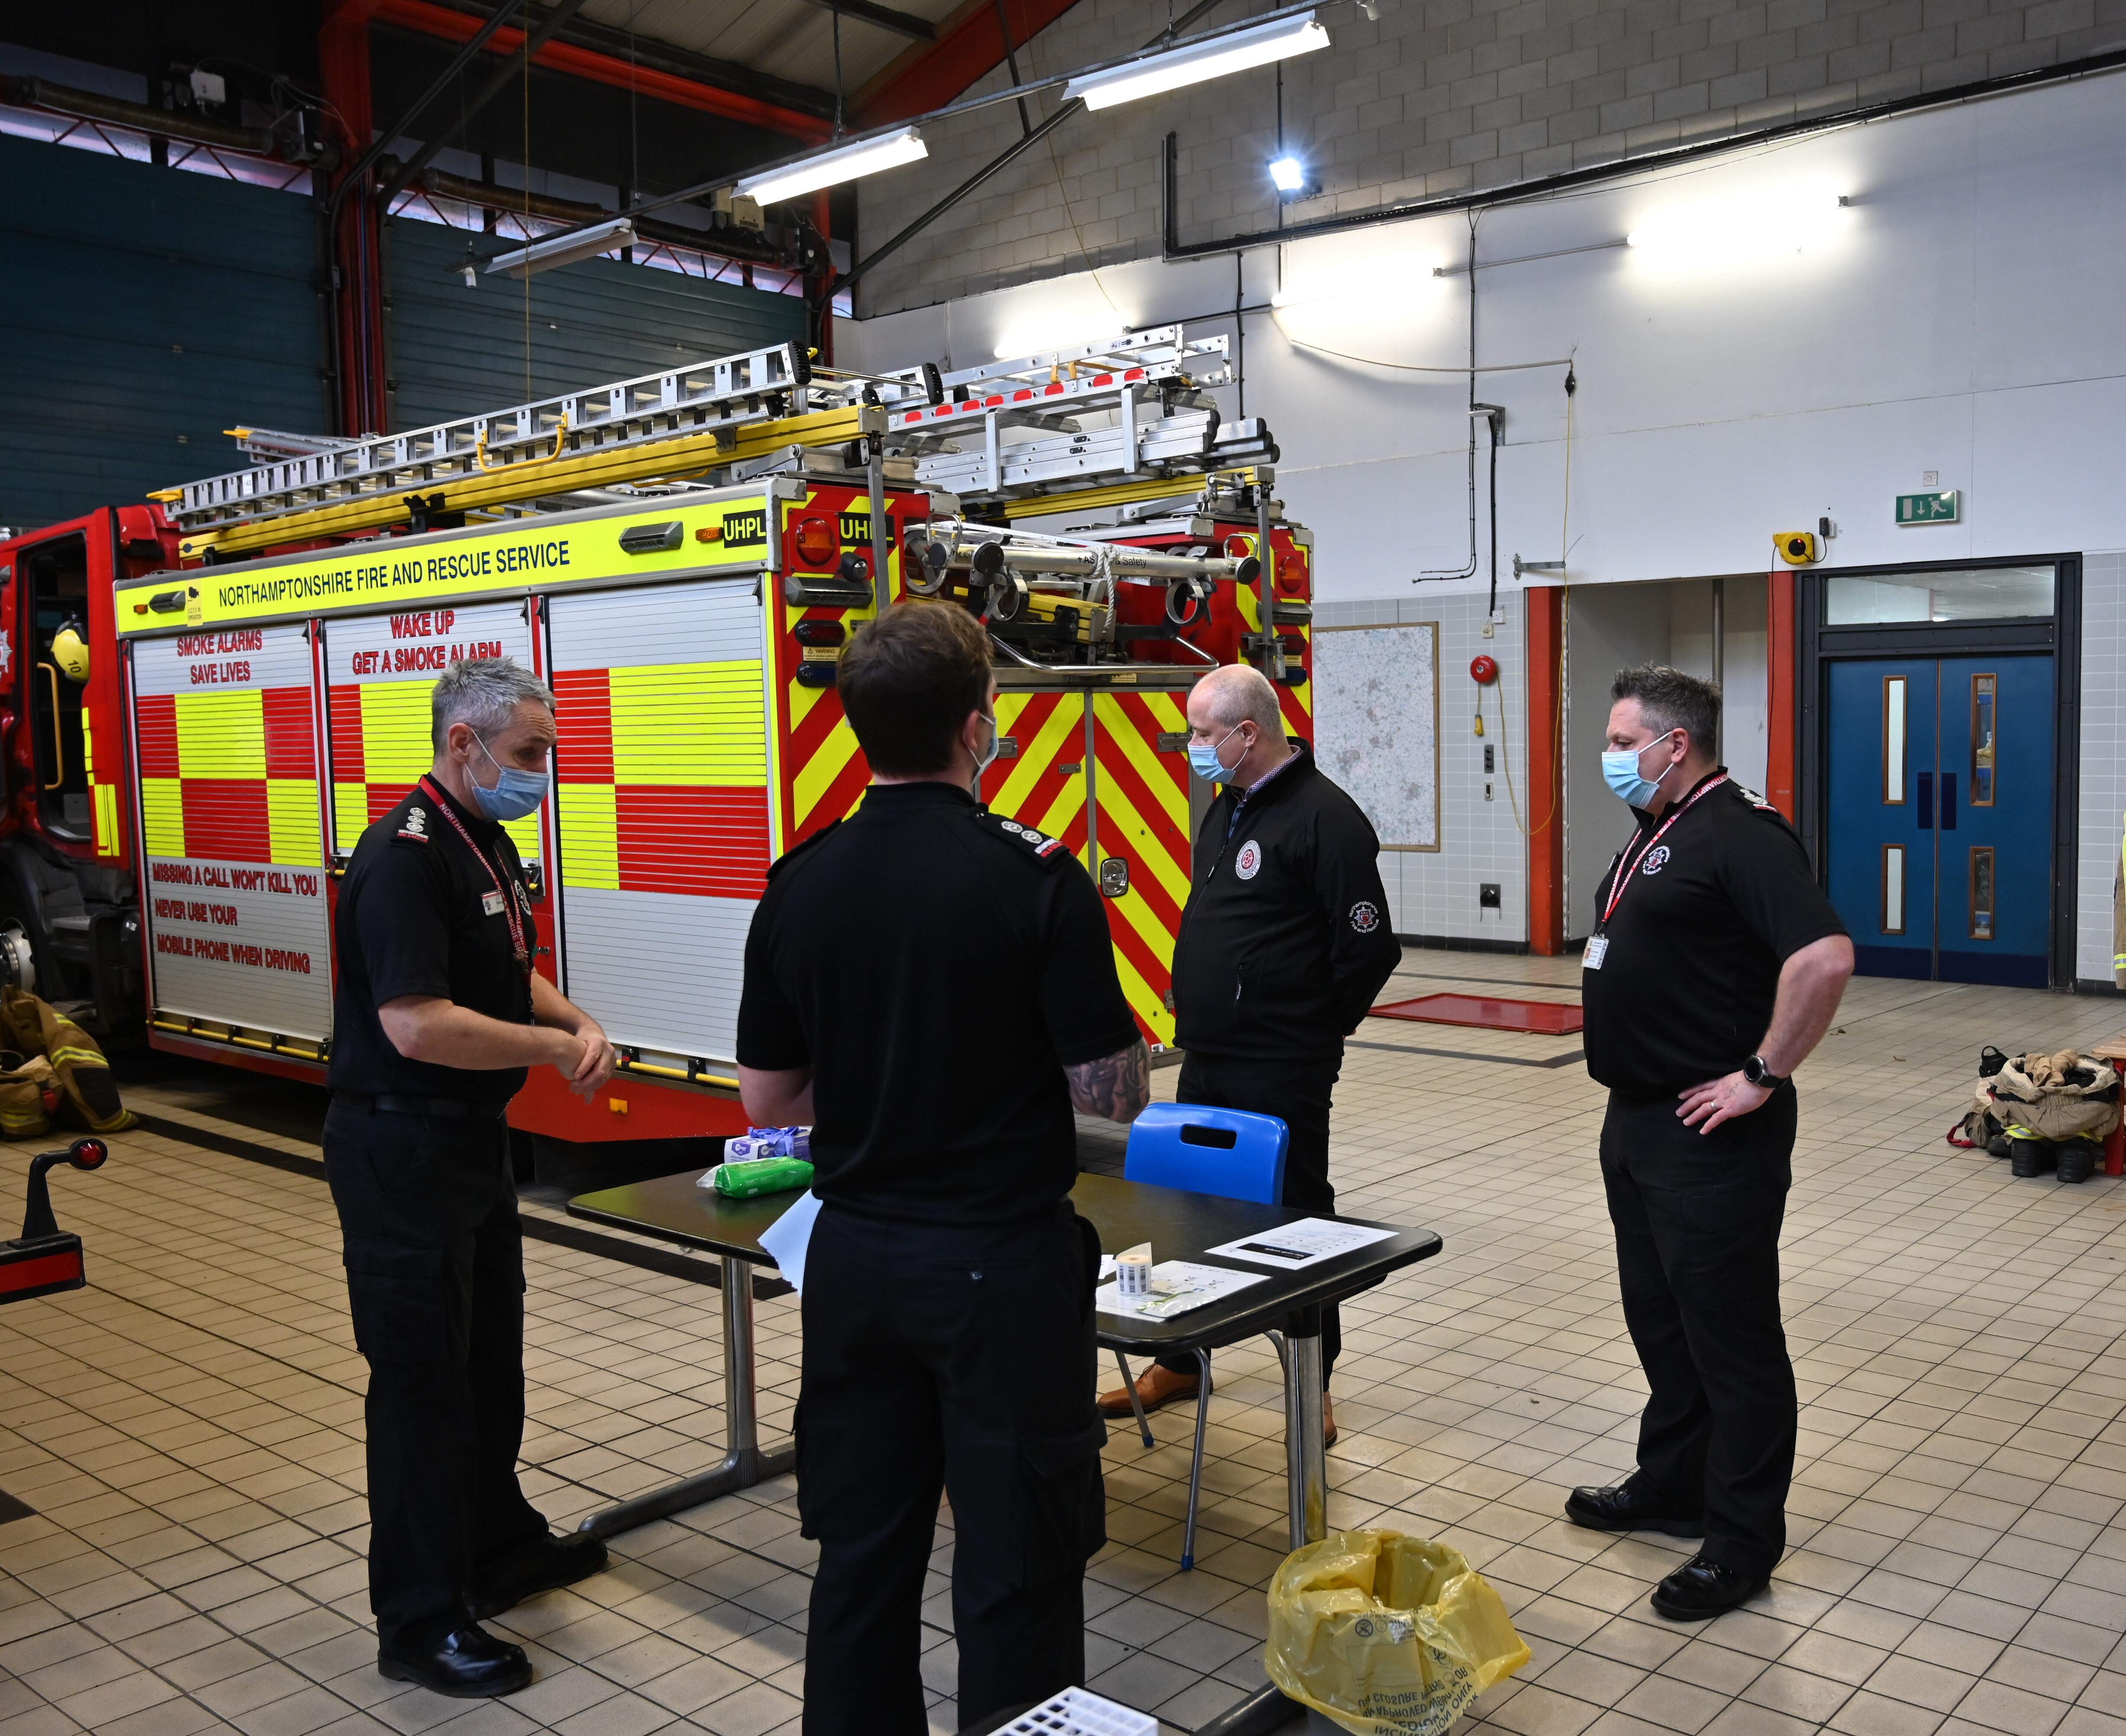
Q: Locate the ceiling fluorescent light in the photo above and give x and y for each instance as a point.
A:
(827, 168)
(564, 249)
(1231, 51)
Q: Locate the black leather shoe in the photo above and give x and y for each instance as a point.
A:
(1618, 1509)
(543, 1564)
(469, 1664)
(1701, 1589)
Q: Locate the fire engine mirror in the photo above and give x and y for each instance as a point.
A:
(87, 1153)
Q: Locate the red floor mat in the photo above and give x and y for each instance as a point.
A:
(1548, 1017)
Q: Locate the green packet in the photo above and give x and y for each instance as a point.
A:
(763, 1176)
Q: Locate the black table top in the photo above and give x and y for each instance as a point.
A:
(1179, 1225)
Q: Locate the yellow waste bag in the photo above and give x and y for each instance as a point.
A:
(1388, 1636)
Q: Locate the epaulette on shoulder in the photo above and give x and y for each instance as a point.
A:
(1050, 852)
(796, 850)
(1751, 796)
(413, 825)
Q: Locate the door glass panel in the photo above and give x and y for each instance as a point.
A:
(1893, 738)
(1981, 894)
(1893, 888)
(1983, 756)
(1976, 593)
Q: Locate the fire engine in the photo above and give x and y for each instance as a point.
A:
(682, 557)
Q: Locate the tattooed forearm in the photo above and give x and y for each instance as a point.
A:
(1115, 1088)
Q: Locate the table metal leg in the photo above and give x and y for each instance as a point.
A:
(743, 1463)
(1136, 1398)
(1196, 1463)
(1306, 1458)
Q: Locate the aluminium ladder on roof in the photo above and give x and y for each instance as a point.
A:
(1114, 408)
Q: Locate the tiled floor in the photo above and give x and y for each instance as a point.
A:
(189, 1431)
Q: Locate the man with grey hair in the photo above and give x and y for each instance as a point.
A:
(1283, 944)
(438, 1013)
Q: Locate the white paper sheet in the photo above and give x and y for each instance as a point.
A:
(788, 1237)
(1310, 1241)
(1177, 1287)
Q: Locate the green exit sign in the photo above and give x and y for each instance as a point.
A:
(1939, 507)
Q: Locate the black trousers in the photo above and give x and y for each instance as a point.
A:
(435, 1274)
(1697, 1219)
(957, 1359)
(1296, 1092)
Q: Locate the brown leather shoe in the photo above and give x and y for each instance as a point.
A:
(1155, 1387)
(1328, 1422)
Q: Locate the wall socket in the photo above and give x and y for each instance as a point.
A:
(1489, 764)
(1487, 896)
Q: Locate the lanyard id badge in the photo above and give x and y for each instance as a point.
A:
(1598, 943)
(518, 948)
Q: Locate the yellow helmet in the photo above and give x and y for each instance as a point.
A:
(70, 651)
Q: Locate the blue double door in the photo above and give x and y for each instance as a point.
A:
(1940, 843)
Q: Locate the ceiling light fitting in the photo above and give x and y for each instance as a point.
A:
(1170, 69)
(830, 168)
(564, 249)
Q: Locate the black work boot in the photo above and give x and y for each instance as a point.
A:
(2031, 1157)
(2077, 1159)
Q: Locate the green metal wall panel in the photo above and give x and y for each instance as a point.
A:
(143, 311)
(456, 351)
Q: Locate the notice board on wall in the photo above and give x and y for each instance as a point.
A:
(1377, 724)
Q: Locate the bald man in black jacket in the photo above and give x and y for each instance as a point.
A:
(1284, 944)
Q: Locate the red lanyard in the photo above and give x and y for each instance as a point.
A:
(508, 903)
(1625, 876)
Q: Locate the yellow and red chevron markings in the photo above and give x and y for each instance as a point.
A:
(230, 775)
(1142, 796)
(1033, 788)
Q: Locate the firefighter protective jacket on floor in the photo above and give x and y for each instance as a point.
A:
(1285, 939)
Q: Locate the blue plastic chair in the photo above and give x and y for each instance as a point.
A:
(1232, 1153)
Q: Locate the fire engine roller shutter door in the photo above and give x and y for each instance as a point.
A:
(381, 671)
(662, 796)
(457, 351)
(228, 809)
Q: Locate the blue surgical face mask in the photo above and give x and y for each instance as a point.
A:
(514, 794)
(1620, 772)
(1203, 757)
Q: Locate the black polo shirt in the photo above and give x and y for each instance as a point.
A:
(1710, 913)
(418, 914)
(938, 966)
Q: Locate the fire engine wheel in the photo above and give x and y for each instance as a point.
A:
(18, 964)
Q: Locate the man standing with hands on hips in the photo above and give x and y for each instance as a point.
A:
(1716, 965)
(1283, 944)
(436, 1015)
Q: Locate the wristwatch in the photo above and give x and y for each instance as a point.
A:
(1757, 1073)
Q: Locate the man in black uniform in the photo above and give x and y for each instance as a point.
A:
(1283, 947)
(1715, 966)
(436, 1015)
(933, 987)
